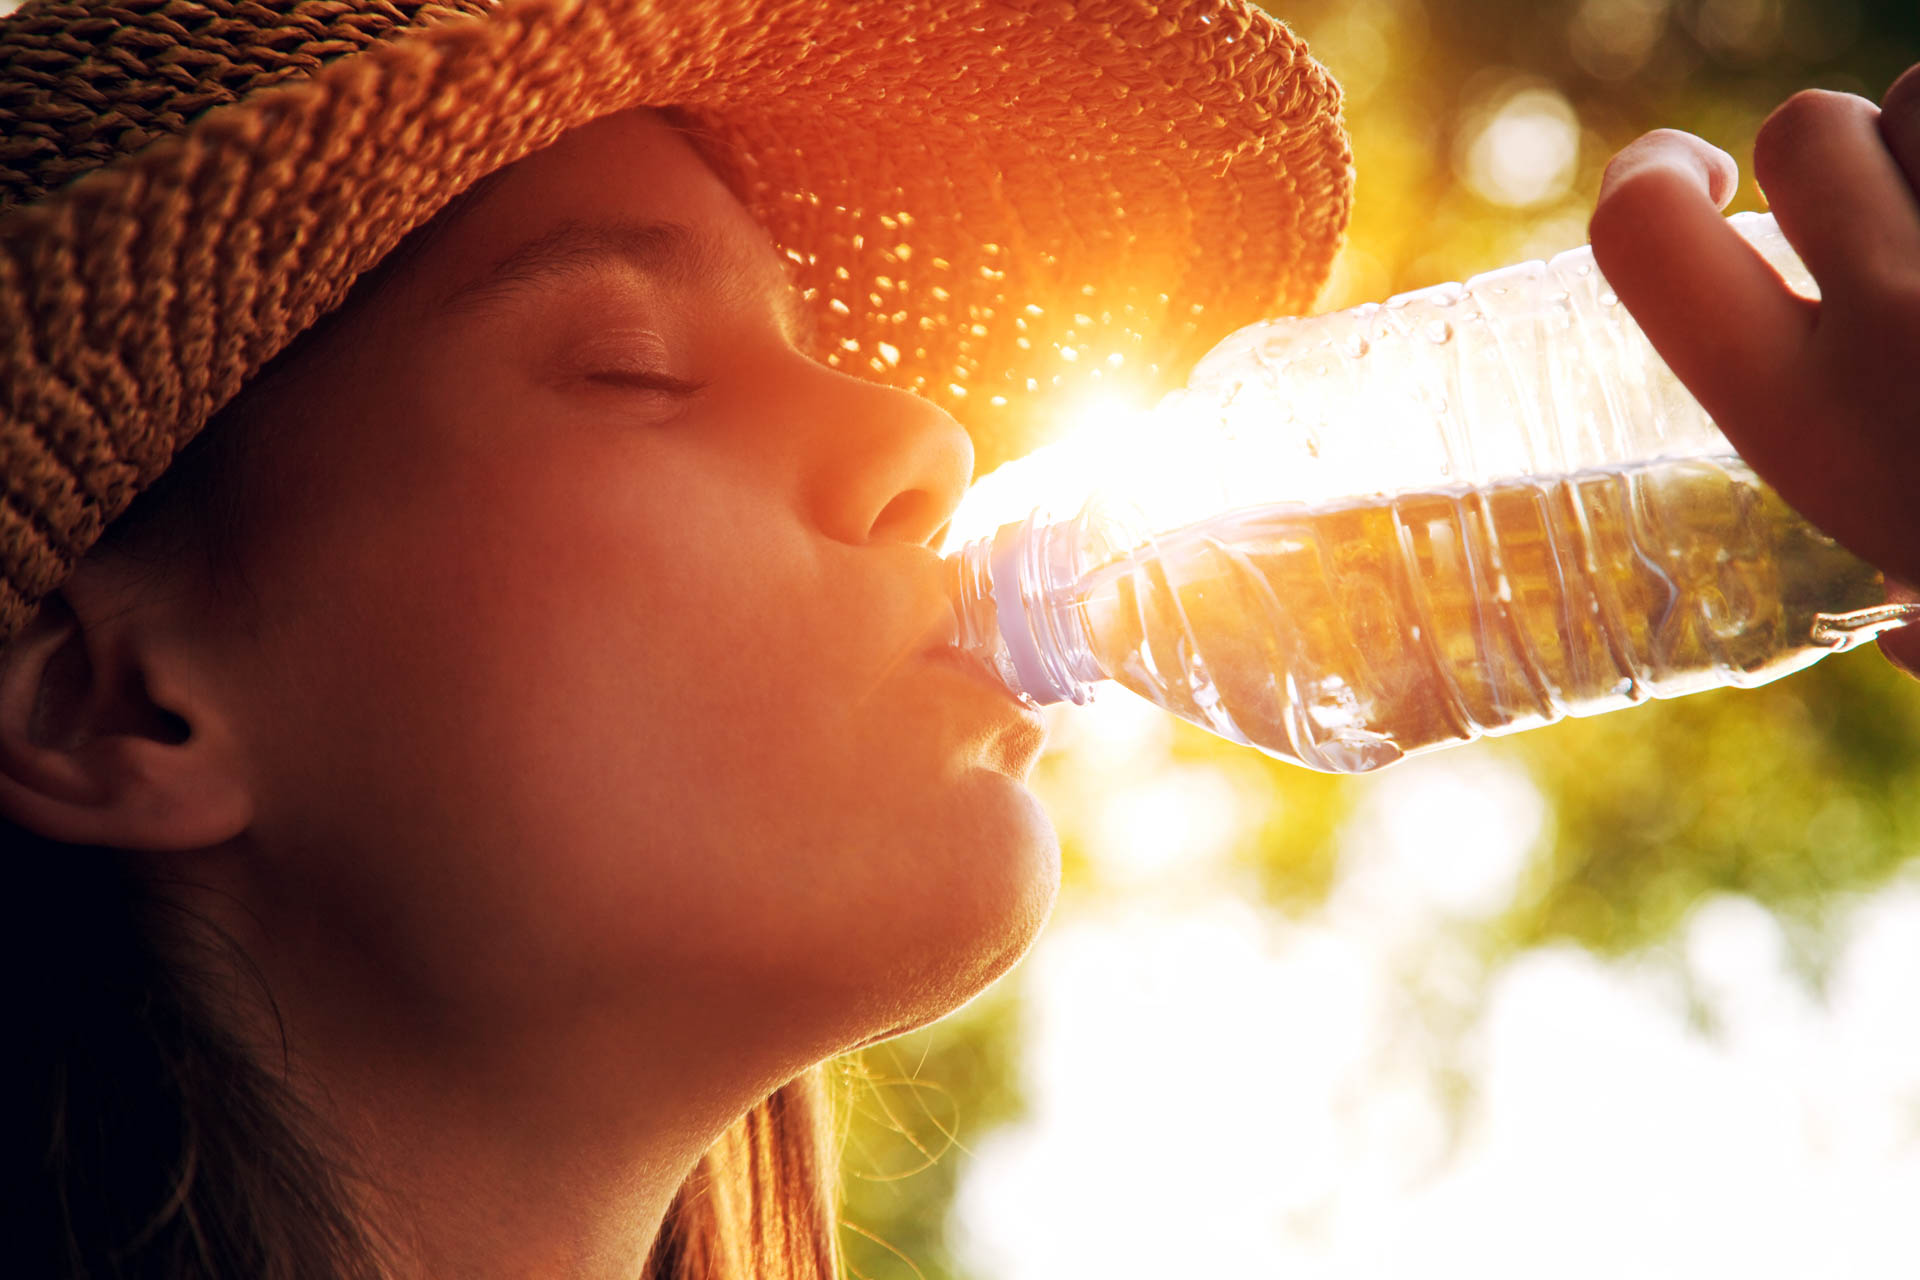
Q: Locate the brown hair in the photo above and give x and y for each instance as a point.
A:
(763, 1202)
(152, 1144)
(147, 1142)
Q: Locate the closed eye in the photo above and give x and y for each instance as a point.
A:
(641, 381)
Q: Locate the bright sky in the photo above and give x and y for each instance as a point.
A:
(1215, 1092)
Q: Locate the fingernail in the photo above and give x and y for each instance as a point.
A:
(1718, 172)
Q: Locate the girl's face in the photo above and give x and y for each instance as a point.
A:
(595, 673)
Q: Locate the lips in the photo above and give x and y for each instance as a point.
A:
(976, 668)
(960, 660)
(946, 631)
(942, 640)
(941, 645)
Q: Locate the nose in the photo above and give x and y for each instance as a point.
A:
(885, 465)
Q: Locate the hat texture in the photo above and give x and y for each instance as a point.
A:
(995, 203)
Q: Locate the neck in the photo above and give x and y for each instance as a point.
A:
(559, 1156)
(518, 1140)
(490, 1177)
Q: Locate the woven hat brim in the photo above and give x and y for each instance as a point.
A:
(993, 204)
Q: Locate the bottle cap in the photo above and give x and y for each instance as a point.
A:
(1015, 548)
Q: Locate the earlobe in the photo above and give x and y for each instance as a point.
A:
(87, 755)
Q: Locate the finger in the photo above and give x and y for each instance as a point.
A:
(1900, 124)
(1681, 271)
(1715, 168)
(1837, 191)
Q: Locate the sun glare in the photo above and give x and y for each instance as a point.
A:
(1104, 445)
(1180, 461)
(1293, 410)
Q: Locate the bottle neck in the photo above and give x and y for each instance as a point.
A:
(1017, 598)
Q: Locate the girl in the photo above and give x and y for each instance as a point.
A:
(461, 802)
(463, 798)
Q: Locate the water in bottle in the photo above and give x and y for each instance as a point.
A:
(1347, 632)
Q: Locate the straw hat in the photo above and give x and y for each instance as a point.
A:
(993, 202)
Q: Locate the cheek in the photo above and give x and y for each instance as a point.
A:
(561, 637)
(580, 724)
(557, 658)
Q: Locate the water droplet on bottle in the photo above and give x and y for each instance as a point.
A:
(1609, 299)
(1439, 332)
(1356, 346)
(1359, 751)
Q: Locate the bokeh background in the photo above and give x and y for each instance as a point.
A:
(1634, 995)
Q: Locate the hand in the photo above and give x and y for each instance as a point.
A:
(1822, 399)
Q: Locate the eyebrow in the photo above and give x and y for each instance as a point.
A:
(672, 252)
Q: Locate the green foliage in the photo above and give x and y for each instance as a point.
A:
(1421, 75)
(1794, 795)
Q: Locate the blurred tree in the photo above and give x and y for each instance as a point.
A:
(1426, 78)
(1796, 795)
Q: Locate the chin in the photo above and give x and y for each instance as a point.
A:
(919, 908)
(997, 877)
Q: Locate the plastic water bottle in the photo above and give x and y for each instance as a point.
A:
(1469, 510)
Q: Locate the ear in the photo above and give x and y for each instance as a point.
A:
(103, 740)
